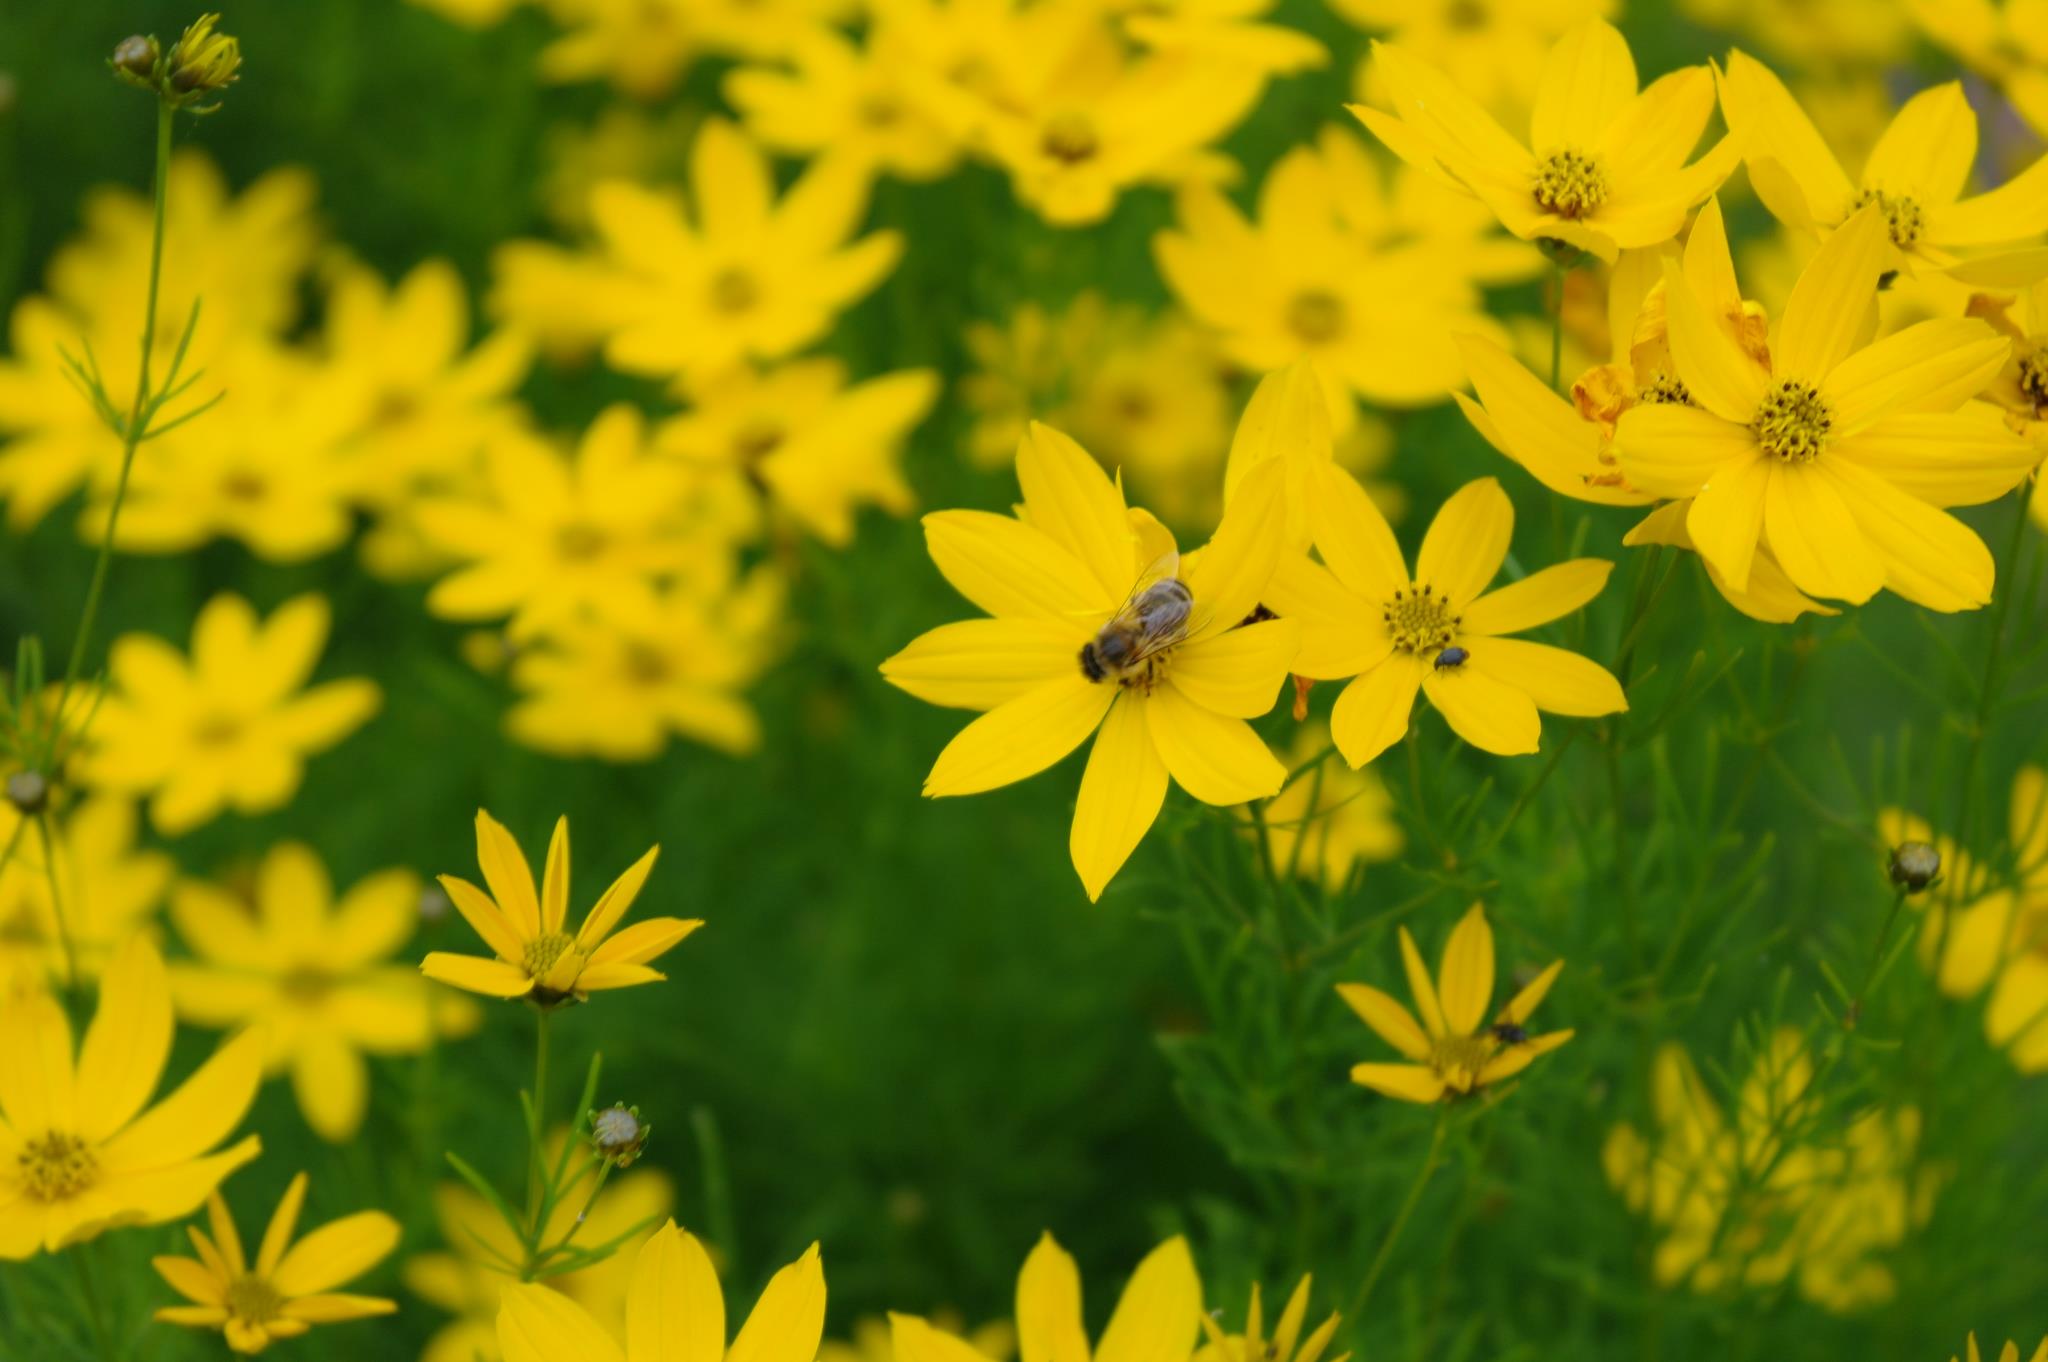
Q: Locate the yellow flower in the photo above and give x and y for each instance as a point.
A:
(537, 958)
(593, 689)
(2011, 1352)
(1605, 168)
(673, 1281)
(110, 889)
(1368, 281)
(1838, 454)
(817, 447)
(2021, 388)
(1483, 48)
(1228, 31)
(204, 60)
(469, 1280)
(231, 727)
(549, 539)
(855, 102)
(554, 294)
(1063, 584)
(644, 47)
(314, 975)
(745, 275)
(1818, 33)
(1286, 1345)
(1914, 177)
(85, 1150)
(1350, 823)
(1154, 1319)
(874, 1339)
(1982, 931)
(623, 142)
(1365, 616)
(1452, 1051)
(290, 1286)
(2003, 41)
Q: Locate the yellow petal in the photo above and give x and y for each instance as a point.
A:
(789, 1319)
(1465, 982)
(1516, 1058)
(1008, 568)
(1532, 995)
(494, 978)
(1049, 1306)
(644, 941)
(336, 1252)
(914, 1340)
(540, 1324)
(190, 1279)
(1409, 1082)
(1538, 598)
(1958, 459)
(225, 1235)
(1588, 79)
(1926, 555)
(334, 1308)
(616, 899)
(1354, 538)
(1726, 518)
(734, 189)
(506, 872)
(554, 897)
(1557, 680)
(2014, 212)
(1930, 366)
(981, 663)
(1389, 1020)
(1288, 420)
(1371, 714)
(331, 1082)
(278, 1233)
(1467, 542)
(1457, 131)
(1231, 572)
(598, 977)
(1067, 495)
(1815, 538)
(1215, 758)
(1154, 1320)
(1420, 986)
(36, 1080)
(1833, 301)
(1672, 451)
(1654, 131)
(1535, 427)
(1019, 739)
(1767, 120)
(675, 1311)
(1927, 151)
(1720, 377)
(197, 1115)
(483, 916)
(1122, 790)
(127, 1043)
(1238, 673)
(1341, 635)
(1492, 715)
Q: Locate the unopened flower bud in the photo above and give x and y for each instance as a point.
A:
(204, 60)
(434, 904)
(618, 1134)
(1914, 866)
(28, 792)
(135, 58)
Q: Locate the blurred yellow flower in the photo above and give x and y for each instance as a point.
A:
(1605, 166)
(232, 725)
(1286, 1344)
(468, 1280)
(1814, 33)
(1484, 49)
(88, 1152)
(1452, 1051)
(110, 890)
(2010, 1353)
(1914, 178)
(1154, 1319)
(672, 1279)
(2002, 40)
(1229, 31)
(1099, 627)
(537, 958)
(1340, 268)
(1365, 616)
(623, 142)
(873, 1339)
(1332, 820)
(618, 693)
(314, 975)
(289, 1287)
(1839, 453)
(818, 448)
(548, 539)
(847, 101)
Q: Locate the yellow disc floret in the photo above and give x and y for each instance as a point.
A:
(1570, 184)
(56, 1166)
(1420, 621)
(1794, 422)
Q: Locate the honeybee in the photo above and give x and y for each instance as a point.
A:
(1159, 613)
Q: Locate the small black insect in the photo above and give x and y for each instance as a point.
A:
(1451, 657)
(1508, 1033)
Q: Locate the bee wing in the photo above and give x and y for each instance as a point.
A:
(1158, 570)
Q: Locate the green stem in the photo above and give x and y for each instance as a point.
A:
(74, 981)
(1393, 1235)
(132, 435)
(102, 1331)
(1557, 274)
(536, 1135)
(1855, 1011)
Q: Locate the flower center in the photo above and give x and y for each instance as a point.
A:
(1420, 621)
(57, 1166)
(543, 952)
(1316, 316)
(1570, 184)
(1901, 215)
(254, 1299)
(734, 290)
(756, 441)
(1665, 390)
(645, 666)
(306, 984)
(243, 487)
(221, 730)
(1793, 423)
(2034, 376)
(1461, 1054)
(579, 541)
(1070, 137)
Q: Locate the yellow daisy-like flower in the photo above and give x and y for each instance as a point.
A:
(314, 975)
(674, 1305)
(1070, 649)
(1914, 178)
(1483, 48)
(1837, 454)
(2010, 1353)
(1154, 1319)
(2022, 386)
(109, 888)
(469, 1279)
(290, 1286)
(744, 275)
(537, 958)
(2002, 40)
(81, 1148)
(1449, 1052)
(232, 725)
(1605, 166)
(1287, 1343)
(853, 101)
(1365, 616)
